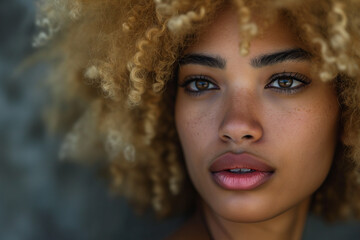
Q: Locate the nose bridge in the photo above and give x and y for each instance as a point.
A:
(240, 101)
(241, 117)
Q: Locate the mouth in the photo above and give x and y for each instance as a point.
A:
(240, 171)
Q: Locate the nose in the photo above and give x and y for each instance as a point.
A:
(241, 121)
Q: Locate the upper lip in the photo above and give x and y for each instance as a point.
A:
(231, 160)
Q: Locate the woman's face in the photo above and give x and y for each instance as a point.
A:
(258, 132)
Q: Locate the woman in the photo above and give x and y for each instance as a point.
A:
(256, 100)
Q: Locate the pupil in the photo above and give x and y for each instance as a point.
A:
(285, 83)
(202, 84)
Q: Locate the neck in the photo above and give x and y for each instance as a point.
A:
(288, 225)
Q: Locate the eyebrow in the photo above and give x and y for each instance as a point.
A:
(202, 59)
(295, 54)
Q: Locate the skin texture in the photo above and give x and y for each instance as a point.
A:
(241, 111)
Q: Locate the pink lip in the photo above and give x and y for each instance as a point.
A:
(240, 181)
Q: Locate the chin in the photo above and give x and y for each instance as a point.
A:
(242, 215)
(249, 210)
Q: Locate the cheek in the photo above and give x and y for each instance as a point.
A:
(193, 120)
(196, 129)
(311, 135)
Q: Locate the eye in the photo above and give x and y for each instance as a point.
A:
(288, 82)
(198, 84)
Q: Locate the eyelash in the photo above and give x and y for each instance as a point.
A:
(294, 76)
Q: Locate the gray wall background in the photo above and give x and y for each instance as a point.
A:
(42, 198)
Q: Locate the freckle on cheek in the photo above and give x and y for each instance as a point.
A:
(193, 126)
(197, 124)
(308, 110)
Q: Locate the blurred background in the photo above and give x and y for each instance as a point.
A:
(43, 198)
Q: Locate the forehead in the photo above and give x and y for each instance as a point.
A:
(222, 36)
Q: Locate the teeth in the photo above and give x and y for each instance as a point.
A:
(240, 170)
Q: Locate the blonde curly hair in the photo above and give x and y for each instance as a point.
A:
(115, 78)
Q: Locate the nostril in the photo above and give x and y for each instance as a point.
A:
(247, 137)
(227, 137)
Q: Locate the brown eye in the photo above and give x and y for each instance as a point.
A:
(201, 84)
(288, 82)
(285, 83)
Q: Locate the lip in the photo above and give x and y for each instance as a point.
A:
(220, 171)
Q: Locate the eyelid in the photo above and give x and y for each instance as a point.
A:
(192, 78)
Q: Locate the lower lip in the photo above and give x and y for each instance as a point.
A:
(241, 181)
